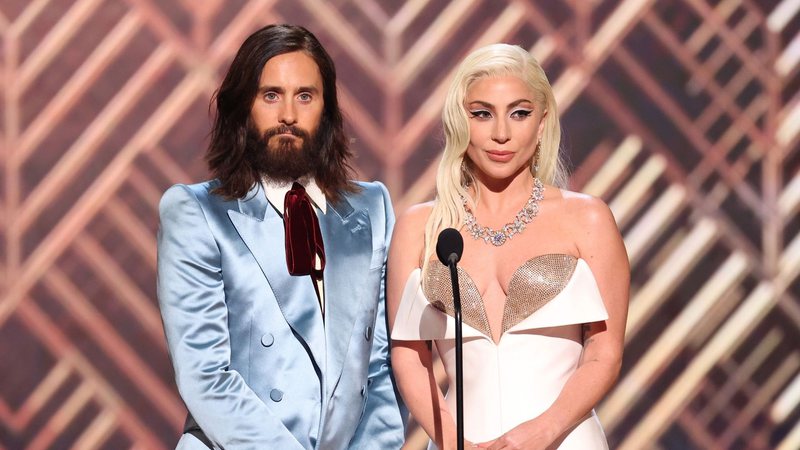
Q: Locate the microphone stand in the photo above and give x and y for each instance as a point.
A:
(459, 359)
(449, 247)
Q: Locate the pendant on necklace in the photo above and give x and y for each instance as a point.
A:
(498, 239)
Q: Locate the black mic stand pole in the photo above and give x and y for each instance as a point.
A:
(459, 359)
(449, 247)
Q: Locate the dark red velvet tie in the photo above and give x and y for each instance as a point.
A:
(303, 237)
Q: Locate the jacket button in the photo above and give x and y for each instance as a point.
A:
(276, 395)
(368, 333)
(363, 390)
(267, 339)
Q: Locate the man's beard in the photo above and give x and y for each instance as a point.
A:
(283, 158)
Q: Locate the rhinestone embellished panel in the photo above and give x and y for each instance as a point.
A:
(534, 284)
(439, 292)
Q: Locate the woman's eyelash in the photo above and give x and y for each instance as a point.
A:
(484, 113)
(479, 113)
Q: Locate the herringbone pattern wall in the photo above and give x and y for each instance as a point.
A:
(684, 115)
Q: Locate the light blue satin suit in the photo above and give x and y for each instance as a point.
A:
(254, 362)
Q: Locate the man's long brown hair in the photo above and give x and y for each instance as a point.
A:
(227, 154)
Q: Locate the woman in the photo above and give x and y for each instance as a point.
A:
(543, 278)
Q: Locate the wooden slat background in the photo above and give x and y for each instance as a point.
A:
(684, 115)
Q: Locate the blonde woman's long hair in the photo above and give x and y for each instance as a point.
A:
(454, 176)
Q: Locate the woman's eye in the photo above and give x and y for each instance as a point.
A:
(480, 114)
(521, 113)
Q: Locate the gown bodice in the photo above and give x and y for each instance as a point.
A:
(517, 378)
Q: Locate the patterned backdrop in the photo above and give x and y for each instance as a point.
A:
(684, 115)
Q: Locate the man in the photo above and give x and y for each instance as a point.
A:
(271, 276)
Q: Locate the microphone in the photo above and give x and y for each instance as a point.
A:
(449, 247)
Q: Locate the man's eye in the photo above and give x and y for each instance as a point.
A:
(304, 97)
(270, 96)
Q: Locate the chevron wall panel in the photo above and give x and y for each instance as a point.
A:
(683, 115)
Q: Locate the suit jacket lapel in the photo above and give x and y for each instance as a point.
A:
(261, 228)
(347, 235)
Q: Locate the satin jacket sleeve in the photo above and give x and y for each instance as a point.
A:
(382, 423)
(194, 312)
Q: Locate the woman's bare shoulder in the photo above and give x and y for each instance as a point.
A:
(409, 229)
(408, 238)
(591, 223)
(584, 209)
(415, 216)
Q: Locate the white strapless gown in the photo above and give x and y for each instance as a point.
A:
(518, 378)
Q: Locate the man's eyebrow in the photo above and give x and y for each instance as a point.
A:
(264, 89)
(280, 90)
(311, 89)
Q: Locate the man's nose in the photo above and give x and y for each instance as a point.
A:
(288, 115)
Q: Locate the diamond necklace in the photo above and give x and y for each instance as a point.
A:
(523, 218)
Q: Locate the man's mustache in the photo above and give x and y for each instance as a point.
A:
(286, 129)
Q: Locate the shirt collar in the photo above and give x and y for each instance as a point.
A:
(276, 192)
